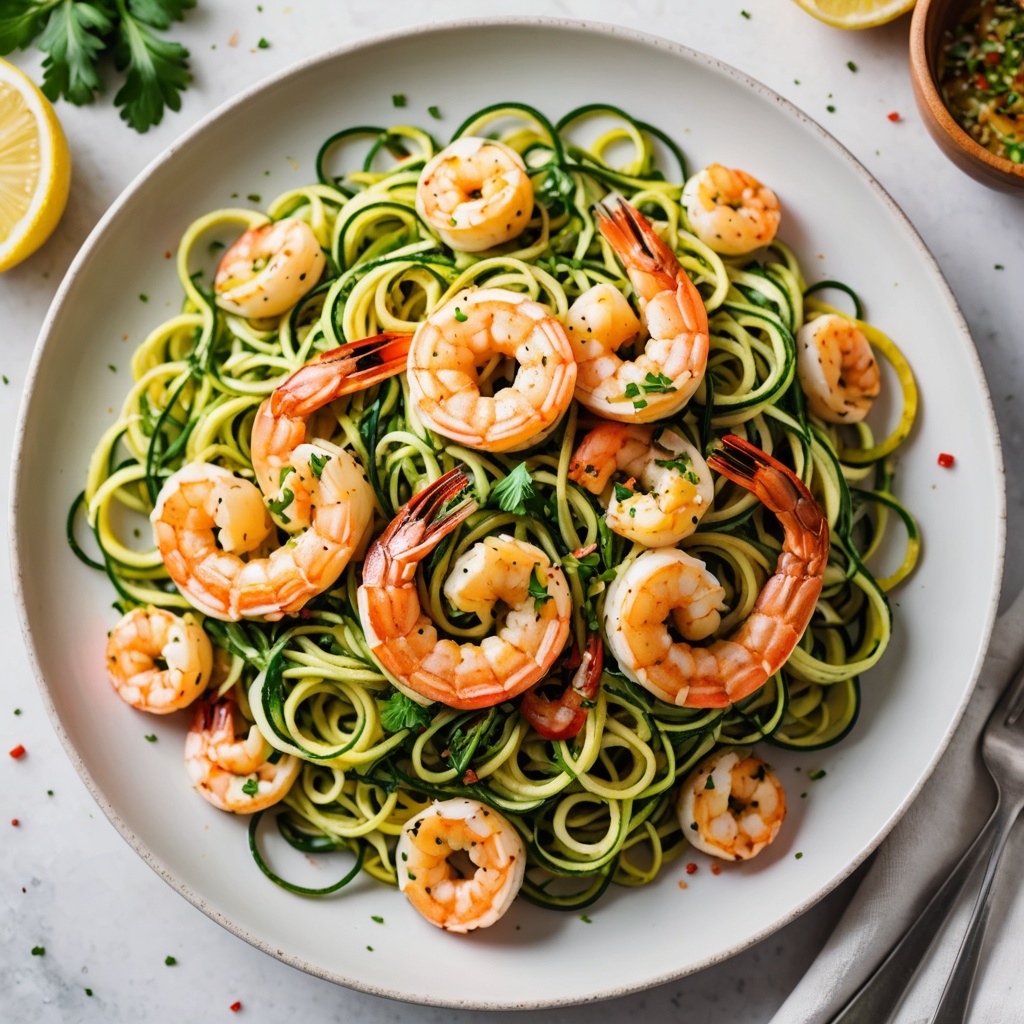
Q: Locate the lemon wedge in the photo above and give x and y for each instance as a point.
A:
(856, 13)
(35, 167)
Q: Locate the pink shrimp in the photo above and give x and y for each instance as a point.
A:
(649, 590)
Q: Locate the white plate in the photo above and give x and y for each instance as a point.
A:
(841, 224)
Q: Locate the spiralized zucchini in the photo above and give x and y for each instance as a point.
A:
(598, 808)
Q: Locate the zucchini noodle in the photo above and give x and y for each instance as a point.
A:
(598, 808)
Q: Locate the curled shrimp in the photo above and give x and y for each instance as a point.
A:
(202, 506)
(501, 572)
(665, 487)
(730, 211)
(436, 887)
(837, 369)
(234, 774)
(158, 662)
(662, 378)
(281, 420)
(268, 269)
(482, 327)
(562, 717)
(731, 805)
(642, 597)
(475, 194)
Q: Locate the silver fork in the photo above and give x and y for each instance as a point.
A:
(1002, 749)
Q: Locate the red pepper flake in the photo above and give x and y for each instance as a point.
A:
(946, 460)
(682, 884)
(15, 822)
(235, 1006)
(18, 751)
(470, 777)
(894, 116)
(691, 868)
(716, 869)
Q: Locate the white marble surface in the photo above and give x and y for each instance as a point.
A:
(67, 880)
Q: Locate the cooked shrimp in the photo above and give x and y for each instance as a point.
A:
(269, 269)
(562, 717)
(662, 378)
(475, 194)
(497, 571)
(731, 805)
(280, 424)
(837, 369)
(480, 327)
(436, 887)
(232, 773)
(218, 581)
(666, 485)
(158, 662)
(730, 211)
(642, 597)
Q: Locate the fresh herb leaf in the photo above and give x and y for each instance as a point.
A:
(402, 712)
(156, 70)
(73, 39)
(278, 505)
(317, 464)
(538, 589)
(75, 34)
(467, 737)
(251, 787)
(623, 493)
(512, 493)
(684, 465)
(22, 22)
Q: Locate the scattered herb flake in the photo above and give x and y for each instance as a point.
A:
(88, 991)
(398, 99)
(586, 919)
(143, 297)
(39, 951)
(797, 855)
(151, 738)
(851, 65)
(170, 961)
(251, 786)
(745, 14)
(459, 315)
(831, 109)
(815, 775)
(17, 711)
(111, 367)
(998, 266)
(377, 918)
(434, 112)
(710, 784)
(254, 197)
(6, 381)
(263, 44)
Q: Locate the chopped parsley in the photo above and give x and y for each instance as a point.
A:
(537, 589)
(170, 961)
(398, 99)
(317, 464)
(251, 786)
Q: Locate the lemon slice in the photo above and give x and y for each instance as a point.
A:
(35, 167)
(856, 13)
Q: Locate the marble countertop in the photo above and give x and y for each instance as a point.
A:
(68, 882)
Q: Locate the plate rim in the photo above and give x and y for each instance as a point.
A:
(383, 39)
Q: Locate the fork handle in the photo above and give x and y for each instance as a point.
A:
(956, 996)
(879, 996)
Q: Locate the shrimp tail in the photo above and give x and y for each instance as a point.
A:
(354, 366)
(628, 233)
(417, 529)
(781, 491)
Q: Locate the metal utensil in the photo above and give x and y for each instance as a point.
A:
(1002, 747)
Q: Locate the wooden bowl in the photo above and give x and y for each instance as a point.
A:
(931, 18)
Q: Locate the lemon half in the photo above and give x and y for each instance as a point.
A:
(856, 13)
(35, 167)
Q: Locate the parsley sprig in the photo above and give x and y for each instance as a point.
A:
(76, 36)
